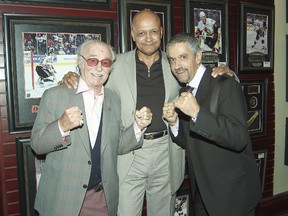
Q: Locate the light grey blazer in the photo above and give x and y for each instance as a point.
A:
(67, 167)
(122, 80)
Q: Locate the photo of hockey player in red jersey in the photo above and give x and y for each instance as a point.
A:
(208, 29)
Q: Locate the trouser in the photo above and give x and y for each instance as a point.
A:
(148, 174)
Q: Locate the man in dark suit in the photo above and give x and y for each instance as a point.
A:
(222, 168)
(81, 133)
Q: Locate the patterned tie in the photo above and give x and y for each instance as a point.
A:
(189, 89)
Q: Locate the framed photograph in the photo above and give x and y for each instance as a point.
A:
(128, 8)
(39, 50)
(182, 204)
(208, 21)
(286, 143)
(29, 172)
(73, 3)
(255, 46)
(255, 92)
(287, 65)
(261, 160)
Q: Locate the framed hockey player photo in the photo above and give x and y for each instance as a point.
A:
(256, 39)
(208, 21)
(39, 50)
(127, 10)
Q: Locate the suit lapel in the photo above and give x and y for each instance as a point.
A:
(77, 100)
(167, 77)
(204, 86)
(107, 117)
(130, 73)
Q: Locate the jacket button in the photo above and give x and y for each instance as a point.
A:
(89, 162)
(85, 186)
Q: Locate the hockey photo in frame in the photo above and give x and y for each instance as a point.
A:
(38, 51)
(256, 44)
(208, 21)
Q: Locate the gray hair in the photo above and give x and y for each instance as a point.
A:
(190, 39)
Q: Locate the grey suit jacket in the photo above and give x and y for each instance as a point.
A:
(219, 151)
(122, 80)
(67, 168)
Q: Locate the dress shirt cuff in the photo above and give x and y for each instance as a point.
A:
(63, 134)
(175, 128)
(138, 132)
(194, 119)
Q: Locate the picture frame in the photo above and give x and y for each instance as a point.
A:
(183, 203)
(261, 161)
(255, 92)
(48, 42)
(128, 8)
(286, 143)
(211, 29)
(256, 43)
(73, 3)
(29, 166)
(287, 66)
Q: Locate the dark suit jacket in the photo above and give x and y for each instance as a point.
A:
(219, 151)
(67, 168)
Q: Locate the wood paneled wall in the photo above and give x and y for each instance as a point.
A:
(9, 196)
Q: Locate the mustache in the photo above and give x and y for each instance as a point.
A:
(97, 73)
(180, 70)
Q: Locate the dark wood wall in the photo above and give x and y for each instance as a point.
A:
(9, 191)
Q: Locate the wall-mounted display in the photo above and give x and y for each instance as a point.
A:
(29, 172)
(128, 8)
(73, 3)
(39, 50)
(182, 205)
(208, 21)
(255, 92)
(261, 160)
(255, 46)
(286, 143)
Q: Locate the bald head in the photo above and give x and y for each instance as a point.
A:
(146, 15)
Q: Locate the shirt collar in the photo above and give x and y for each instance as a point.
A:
(198, 76)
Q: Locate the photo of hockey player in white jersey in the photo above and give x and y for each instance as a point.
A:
(257, 28)
(208, 29)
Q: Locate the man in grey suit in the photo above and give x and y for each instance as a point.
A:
(222, 169)
(81, 133)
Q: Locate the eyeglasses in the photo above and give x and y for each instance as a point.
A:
(92, 62)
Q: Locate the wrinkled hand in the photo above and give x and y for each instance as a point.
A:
(71, 118)
(169, 113)
(188, 104)
(222, 69)
(143, 117)
(70, 80)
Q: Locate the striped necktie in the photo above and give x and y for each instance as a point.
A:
(189, 89)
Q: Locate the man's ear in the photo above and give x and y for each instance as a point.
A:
(132, 35)
(198, 57)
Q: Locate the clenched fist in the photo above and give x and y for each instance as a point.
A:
(143, 117)
(169, 113)
(71, 118)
